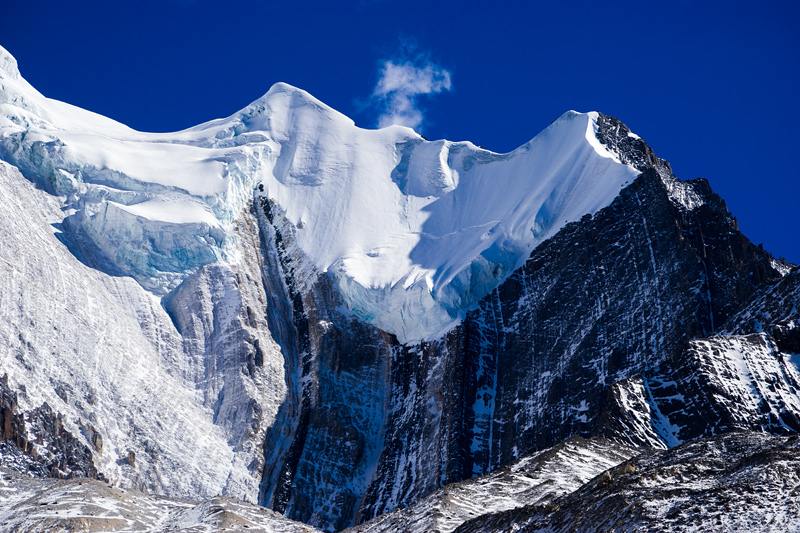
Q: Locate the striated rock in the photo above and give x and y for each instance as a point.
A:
(721, 383)
(774, 311)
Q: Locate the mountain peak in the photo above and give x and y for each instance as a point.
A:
(8, 65)
(413, 232)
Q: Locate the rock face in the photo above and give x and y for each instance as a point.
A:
(35, 442)
(738, 482)
(744, 378)
(775, 312)
(717, 384)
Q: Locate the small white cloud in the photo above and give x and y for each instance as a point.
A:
(399, 86)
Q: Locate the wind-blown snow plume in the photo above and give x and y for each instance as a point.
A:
(399, 86)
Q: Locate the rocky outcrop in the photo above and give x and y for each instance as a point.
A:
(36, 443)
(739, 482)
(221, 313)
(28, 504)
(716, 385)
(774, 311)
(744, 378)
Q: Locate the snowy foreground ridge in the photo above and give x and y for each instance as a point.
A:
(413, 232)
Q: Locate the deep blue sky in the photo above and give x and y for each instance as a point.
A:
(711, 86)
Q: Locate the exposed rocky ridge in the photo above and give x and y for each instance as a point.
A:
(630, 148)
(35, 442)
(535, 479)
(42, 505)
(738, 482)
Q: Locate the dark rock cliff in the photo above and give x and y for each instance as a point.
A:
(744, 378)
(607, 298)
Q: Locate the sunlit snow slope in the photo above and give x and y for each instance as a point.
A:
(413, 232)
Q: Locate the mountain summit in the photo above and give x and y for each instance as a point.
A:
(414, 233)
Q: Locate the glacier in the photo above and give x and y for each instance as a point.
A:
(414, 233)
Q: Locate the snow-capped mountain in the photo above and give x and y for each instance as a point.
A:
(335, 322)
(413, 232)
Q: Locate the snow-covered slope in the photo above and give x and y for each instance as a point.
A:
(413, 232)
(104, 353)
(28, 505)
